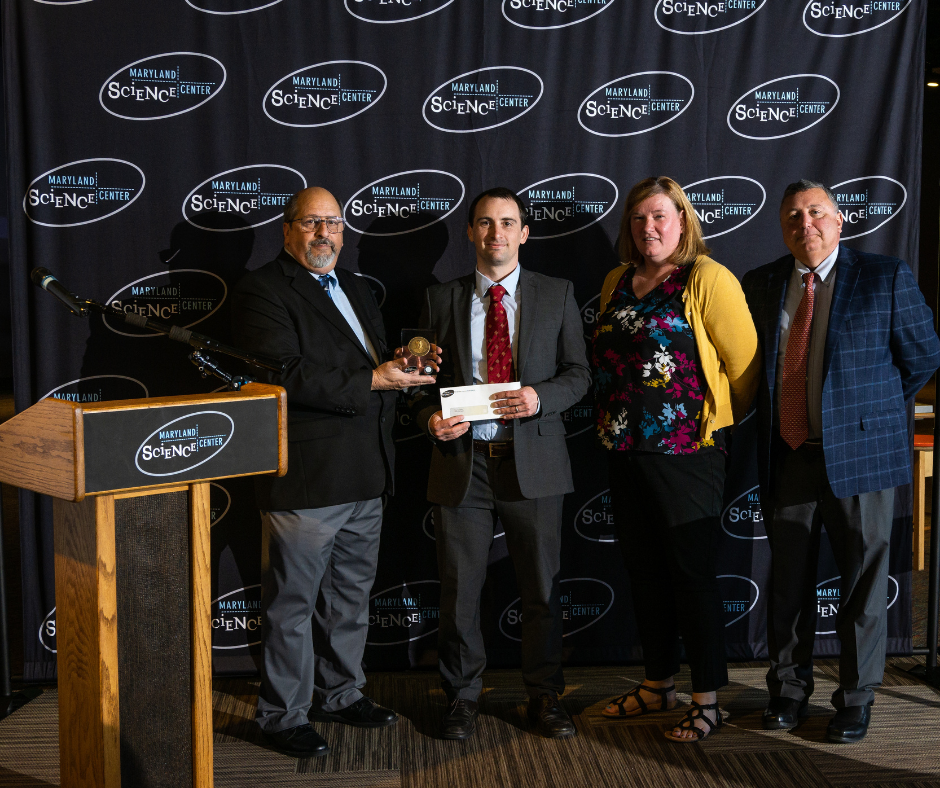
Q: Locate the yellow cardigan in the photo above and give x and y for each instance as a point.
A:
(724, 336)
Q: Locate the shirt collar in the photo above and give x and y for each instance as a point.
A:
(822, 270)
(484, 283)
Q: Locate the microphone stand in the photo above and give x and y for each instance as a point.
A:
(199, 341)
(207, 366)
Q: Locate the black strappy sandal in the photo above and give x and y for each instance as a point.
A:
(642, 707)
(696, 712)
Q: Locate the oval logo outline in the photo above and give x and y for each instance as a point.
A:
(225, 511)
(857, 32)
(703, 32)
(477, 71)
(216, 601)
(867, 178)
(51, 613)
(897, 591)
(763, 192)
(154, 57)
(417, 637)
(166, 273)
(586, 304)
(428, 516)
(379, 283)
(143, 183)
(574, 631)
(555, 27)
(577, 517)
(725, 511)
(780, 79)
(95, 377)
(191, 4)
(463, 192)
(642, 131)
(394, 21)
(328, 122)
(238, 169)
(756, 597)
(613, 202)
(180, 418)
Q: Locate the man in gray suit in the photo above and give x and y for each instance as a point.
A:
(501, 324)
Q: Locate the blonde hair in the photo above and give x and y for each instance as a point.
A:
(691, 243)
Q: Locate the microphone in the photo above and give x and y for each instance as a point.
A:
(44, 278)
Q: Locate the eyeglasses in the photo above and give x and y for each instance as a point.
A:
(310, 224)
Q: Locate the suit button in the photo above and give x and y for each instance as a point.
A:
(383, 419)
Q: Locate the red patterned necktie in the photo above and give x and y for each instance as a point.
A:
(498, 350)
(794, 427)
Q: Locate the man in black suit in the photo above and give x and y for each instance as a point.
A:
(321, 521)
(503, 324)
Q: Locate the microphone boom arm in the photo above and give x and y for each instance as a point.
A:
(184, 335)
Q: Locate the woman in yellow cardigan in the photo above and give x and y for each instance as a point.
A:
(675, 365)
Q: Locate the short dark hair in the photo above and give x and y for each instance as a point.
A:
(291, 208)
(499, 193)
(804, 185)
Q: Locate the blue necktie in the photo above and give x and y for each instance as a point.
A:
(326, 281)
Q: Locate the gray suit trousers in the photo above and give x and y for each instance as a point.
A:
(318, 568)
(859, 530)
(533, 536)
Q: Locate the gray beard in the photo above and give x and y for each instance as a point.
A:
(315, 260)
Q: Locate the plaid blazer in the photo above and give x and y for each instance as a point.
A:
(881, 348)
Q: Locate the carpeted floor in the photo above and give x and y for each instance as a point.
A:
(899, 751)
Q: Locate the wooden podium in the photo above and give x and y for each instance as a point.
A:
(132, 575)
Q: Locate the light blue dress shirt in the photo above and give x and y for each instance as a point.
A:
(346, 310)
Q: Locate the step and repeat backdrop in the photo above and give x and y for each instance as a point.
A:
(152, 147)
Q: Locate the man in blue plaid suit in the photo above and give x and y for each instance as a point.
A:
(833, 444)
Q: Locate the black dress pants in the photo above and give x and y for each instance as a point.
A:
(859, 530)
(533, 537)
(667, 512)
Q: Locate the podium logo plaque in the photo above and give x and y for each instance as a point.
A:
(184, 443)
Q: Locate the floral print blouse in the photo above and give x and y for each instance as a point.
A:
(647, 381)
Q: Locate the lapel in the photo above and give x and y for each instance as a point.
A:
(462, 295)
(846, 279)
(777, 281)
(351, 285)
(308, 288)
(528, 303)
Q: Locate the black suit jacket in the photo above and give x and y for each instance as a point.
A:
(339, 431)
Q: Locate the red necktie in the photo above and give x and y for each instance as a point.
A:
(498, 350)
(794, 427)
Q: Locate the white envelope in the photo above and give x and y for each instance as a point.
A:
(473, 402)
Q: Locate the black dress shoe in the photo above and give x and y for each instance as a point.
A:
(300, 742)
(549, 718)
(364, 713)
(784, 713)
(459, 720)
(849, 724)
